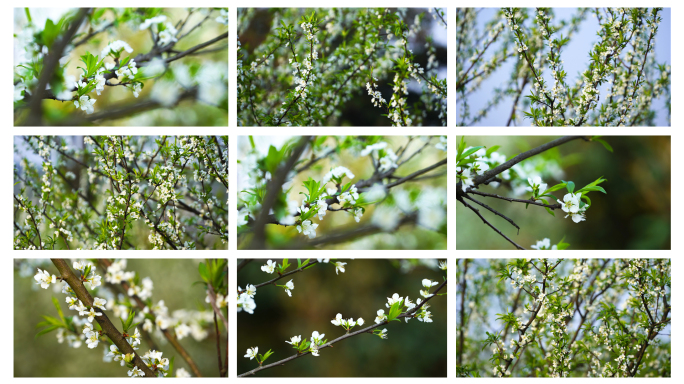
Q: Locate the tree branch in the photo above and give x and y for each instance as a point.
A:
(272, 281)
(172, 340)
(515, 160)
(477, 212)
(197, 47)
(273, 188)
(368, 329)
(50, 64)
(107, 327)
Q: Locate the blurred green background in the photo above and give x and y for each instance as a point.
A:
(634, 214)
(413, 349)
(45, 357)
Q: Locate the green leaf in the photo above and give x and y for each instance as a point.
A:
(470, 152)
(561, 245)
(59, 309)
(48, 329)
(605, 144)
(556, 187)
(203, 272)
(491, 150)
(395, 310)
(593, 188)
(570, 186)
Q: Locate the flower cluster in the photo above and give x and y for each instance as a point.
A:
(245, 300)
(347, 324)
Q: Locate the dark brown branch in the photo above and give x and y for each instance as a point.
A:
(515, 160)
(93, 33)
(367, 230)
(416, 174)
(107, 327)
(50, 64)
(493, 211)
(172, 340)
(197, 47)
(509, 199)
(477, 212)
(273, 188)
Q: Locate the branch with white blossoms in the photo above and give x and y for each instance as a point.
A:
(314, 88)
(349, 196)
(622, 63)
(94, 192)
(245, 299)
(399, 309)
(138, 292)
(80, 299)
(98, 71)
(568, 318)
(478, 166)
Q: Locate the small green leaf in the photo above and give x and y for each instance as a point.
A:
(570, 186)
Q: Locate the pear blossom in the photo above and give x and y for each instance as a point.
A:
(339, 173)
(115, 48)
(383, 334)
(85, 103)
(544, 244)
(289, 287)
(252, 352)
(536, 185)
(269, 267)
(44, 279)
(136, 372)
(223, 18)
(394, 299)
(295, 340)
(381, 316)
(570, 203)
(307, 228)
(92, 340)
(466, 179)
(99, 303)
(337, 320)
(91, 314)
(168, 35)
(250, 290)
(317, 338)
(339, 266)
(154, 20)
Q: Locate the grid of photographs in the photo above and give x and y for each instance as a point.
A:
(378, 149)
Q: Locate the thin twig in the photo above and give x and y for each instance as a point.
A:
(368, 329)
(477, 212)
